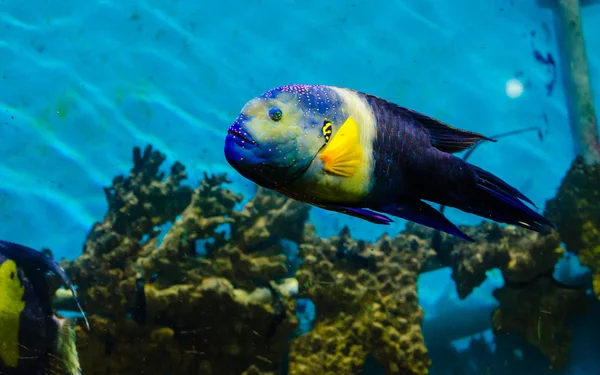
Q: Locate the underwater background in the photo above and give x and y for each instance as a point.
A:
(83, 83)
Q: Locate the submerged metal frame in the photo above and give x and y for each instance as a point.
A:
(576, 76)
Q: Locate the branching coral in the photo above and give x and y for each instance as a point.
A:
(366, 303)
(219, 313)
(268, 217)
(520, 254)
(531, 303)
(136, 206)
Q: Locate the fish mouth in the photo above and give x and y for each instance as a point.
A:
(241, 137)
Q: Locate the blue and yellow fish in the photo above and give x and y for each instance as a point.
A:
(33, 339)
(361, 155)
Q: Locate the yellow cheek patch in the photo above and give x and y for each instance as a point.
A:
(11, 306)
(343, 154)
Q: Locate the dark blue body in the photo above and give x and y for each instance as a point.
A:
(407, 165)
(414, 163)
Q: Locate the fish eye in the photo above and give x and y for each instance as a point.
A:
(326, 130)
(275, 113)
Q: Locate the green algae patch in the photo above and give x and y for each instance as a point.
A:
(63, 105)
(139, 91)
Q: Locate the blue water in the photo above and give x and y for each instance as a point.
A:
(82, 83)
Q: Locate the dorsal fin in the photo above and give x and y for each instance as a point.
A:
(445, 137)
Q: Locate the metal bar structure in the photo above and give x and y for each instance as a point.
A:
(576, 77)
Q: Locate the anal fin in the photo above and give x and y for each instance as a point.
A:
(422, 213)
(361, 213)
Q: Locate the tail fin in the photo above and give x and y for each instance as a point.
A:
(501, 202)
(66, 360)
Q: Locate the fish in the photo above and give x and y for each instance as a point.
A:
(139, 310)
(357, 154)
(33, 338)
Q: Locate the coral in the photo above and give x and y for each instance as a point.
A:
(366, 303)
(215, 329)
(136, 207)
(531, 303)
(520, 254)
(219, 312)
(268, 217)
(576, 212)
(215, 293)
(540, 312)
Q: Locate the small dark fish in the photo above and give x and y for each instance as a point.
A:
(139, 310)
(363, 156)
(548, 61)
(279, 311)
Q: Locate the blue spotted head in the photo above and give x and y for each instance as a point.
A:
(277, 135)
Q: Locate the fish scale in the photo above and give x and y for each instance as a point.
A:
(406, 163)
(317, 98)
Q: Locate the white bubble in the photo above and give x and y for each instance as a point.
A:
(514, 88)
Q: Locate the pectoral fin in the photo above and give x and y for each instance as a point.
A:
(343, 154)
(422, 213)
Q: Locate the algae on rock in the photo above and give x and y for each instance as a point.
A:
(194, 299)
(530, 299)
(520, 254)
(576, 212)
(540, 313)
(365, 296)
